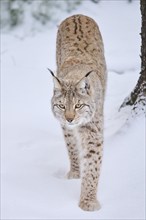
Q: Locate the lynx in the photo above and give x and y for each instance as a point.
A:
(78, 100)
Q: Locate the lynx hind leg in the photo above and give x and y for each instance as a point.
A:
(73, 175)
(90, 205)
(71, 143)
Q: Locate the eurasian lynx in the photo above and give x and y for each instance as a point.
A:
(78, 100)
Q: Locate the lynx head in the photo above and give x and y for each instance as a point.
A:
(72, 103)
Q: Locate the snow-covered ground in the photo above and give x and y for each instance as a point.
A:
(33, 155)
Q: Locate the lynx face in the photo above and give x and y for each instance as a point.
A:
(72, 103)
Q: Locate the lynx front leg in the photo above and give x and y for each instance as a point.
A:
(71, 143)
(91, 160)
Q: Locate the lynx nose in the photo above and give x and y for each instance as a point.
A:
(69, 116)
(69, 120)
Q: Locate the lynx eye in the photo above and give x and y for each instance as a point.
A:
(61, 106)
(79, 106)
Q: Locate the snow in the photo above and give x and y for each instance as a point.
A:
(33, 155)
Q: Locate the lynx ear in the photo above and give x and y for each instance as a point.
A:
(57, 83)
(83, 84)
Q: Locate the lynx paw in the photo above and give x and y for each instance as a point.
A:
(73, 175)
(89, 205)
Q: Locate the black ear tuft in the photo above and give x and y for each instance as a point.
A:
(57, 82)
(51, 72)
(87, 74)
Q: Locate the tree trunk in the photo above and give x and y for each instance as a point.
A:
(137, 98)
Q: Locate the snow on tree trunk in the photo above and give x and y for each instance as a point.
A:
(137, 99)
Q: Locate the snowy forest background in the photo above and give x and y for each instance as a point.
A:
(34, 160)
(41, 12)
